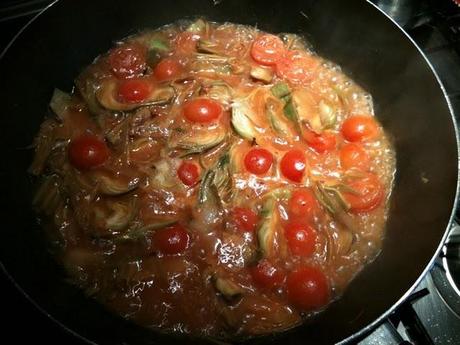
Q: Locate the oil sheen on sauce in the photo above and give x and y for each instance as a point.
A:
(229, 264)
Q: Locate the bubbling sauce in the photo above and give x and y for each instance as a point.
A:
(213, 179)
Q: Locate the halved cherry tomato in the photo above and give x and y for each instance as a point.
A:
(171, 240)
(245, 219)
(359, 128)
(367, 193)
(303, 204)
(267, 49)
(293, 165)
(320, 142)
(185, 42)
(134, 90)
(188, 173)
(308, 288)
(87, 151)
(301, 238)
(354, 156)
(202, 110)
(167, 69)
(128, 60)
(265, 275)
(296, 66)
(258, 161)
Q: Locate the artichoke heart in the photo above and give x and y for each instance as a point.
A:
(107, 97)
(327, 114)
(110, 183)
(267, 229)
(318, 117)
(219, 91)
(163, 176)
(141, 231)
(205, 46)
(209, 208)
(200, 142)
(226, 287)
(273, 110)
(115, 215)
(261, 73)
(223, 178)
(241, 120)
(198, 27)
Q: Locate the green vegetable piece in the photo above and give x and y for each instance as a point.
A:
(208, 192)
(278, 125)
(333, 202)
(159, 45)
(267, 230)
(223, 177)
(220, 91)
(197, 26)
(242, 124)
(205, 46)
(291, 112)
(280, 90)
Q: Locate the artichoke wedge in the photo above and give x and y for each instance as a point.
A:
(267, 230)
(199, 142)
(110, 183)
(107, 97)
(241, 120)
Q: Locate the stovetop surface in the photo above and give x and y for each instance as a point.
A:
(435, 27)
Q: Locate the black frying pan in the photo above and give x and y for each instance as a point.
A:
(409, 102)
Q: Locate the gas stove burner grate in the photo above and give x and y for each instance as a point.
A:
(446, 271)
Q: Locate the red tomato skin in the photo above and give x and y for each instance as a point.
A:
(292, 165)
(172, 240)
(188, 173)
(359, 128)
(128, 60)
(202, 110)
(87, 151)
(308, 288)
(371, 194)
(297, 67)
(167, 69)
(353, 155)
(245, 219)
(267, 276)
(321, 143)
(258, 161)
(267, 49)
(303, 204)
(301, 238)
(134, 90)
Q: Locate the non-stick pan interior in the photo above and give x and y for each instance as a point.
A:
(369, 47)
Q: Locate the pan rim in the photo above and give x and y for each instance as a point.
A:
(366, 329)
(384, 315)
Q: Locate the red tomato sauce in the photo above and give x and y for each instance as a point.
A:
(213, 179)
